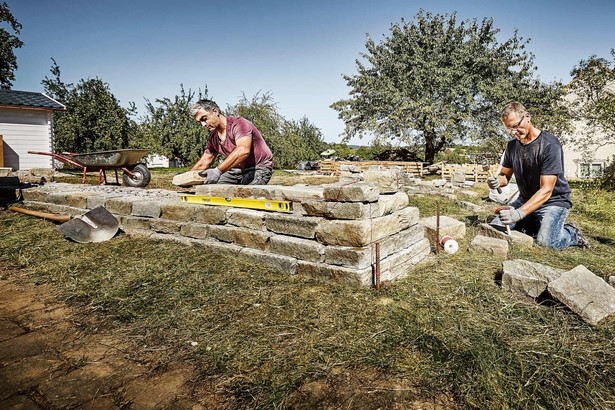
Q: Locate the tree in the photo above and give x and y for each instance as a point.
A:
(169, 129)
(433, 81)
(93, 120)
(8, 42)
(290, 141)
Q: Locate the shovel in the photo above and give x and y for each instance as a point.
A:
(97, 225)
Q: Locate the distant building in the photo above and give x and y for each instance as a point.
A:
(26, 124)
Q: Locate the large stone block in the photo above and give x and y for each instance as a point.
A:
(496, 247)
(188, 178)
(364, 232)
(386, 181)
(299, 248)
(195, 230)
(398, 265)
(340, 210)
(448, 227)
(356, 192)
(179, 211)
(165, 226)
(280, 263)
(34, 194)
(246, 218)
(527, 278)
(120, 205)
(303, 227)
(241, 236)
(148, 208)
(211, 215)
(355, 276)
(585, 294)
(130, 223)
(388, 204)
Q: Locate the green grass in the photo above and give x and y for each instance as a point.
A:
(446, 332)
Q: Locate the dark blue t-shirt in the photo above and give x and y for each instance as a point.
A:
(543, 156)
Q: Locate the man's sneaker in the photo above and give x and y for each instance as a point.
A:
(582, 241)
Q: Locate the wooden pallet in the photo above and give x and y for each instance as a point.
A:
(472, 172)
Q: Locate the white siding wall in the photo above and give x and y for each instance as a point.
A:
(25, 130)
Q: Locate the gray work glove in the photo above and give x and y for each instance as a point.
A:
(493, 182)
(211, 175)
(511, 215)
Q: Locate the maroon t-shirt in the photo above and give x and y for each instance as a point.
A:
(237, 128)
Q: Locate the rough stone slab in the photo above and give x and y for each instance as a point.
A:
(303, 227)
(485, 229)
(527, 278)
(77, 199)
(299, 248)
(211, 215)
(129, 224)
(34, 194)
(147, 208)
(165, 226)
(195, 230)
(364, 232)
(584, 293)
(386, 181)
(357, 192)
(359, 277)
(497, 247)
(397, 265)
(362, 257)
(471, 206)
(246, 218)
(179, 211)
(241, 236)
(217, 190)
(388, 204)
(340, 210)
(280, 263)
(448, 227)
(94, 201)
(520, 239)
(298, 193)
(120, 205)
(188, 178)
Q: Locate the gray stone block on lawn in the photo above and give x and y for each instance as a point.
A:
(147, 208)
(386, 181)
(585, 294)
(303, 227)
(527, 278)
(340, 210)
(305, 249)
(357, 192)
(246, 218)
(448, 227)
(496, 247)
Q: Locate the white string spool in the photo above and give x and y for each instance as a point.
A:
(449, 244)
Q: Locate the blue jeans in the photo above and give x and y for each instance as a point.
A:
(547, 224)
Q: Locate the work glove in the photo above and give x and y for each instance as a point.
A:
(511, 215)
(493, 182)
(211, 175)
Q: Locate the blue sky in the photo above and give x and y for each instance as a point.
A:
(295, 50)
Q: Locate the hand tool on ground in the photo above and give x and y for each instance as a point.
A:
(487, 168)
(97, 225)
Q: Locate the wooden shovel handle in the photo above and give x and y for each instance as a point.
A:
(44, 215)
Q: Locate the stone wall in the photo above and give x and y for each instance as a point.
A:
(332, 230)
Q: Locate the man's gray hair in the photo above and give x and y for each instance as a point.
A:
(207, 105)
(513, 107)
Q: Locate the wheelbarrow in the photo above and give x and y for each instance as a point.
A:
(135, 174)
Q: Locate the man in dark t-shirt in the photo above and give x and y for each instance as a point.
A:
(536, 159)
(248, 159)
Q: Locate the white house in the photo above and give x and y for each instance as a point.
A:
(26, 124)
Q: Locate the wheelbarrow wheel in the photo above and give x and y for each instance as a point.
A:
(141, 176)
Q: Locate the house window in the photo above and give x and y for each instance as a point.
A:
(593, 170)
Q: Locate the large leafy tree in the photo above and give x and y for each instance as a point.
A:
(8, 43)
(434, 80)
(289, 140)
(93, 120)
(169, 129)
(593, 101)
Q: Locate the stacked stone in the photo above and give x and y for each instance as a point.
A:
(331, 231)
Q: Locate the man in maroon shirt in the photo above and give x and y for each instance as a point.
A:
(247, 156)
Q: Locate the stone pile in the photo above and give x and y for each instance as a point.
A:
(581, 290)
(332, 230)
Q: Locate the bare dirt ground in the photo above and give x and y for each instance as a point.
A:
(49, 361)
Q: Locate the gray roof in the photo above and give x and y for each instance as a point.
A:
(28, 99)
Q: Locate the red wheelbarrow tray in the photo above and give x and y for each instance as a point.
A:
(125, 159)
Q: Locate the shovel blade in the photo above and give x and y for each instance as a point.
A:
(97, 225)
